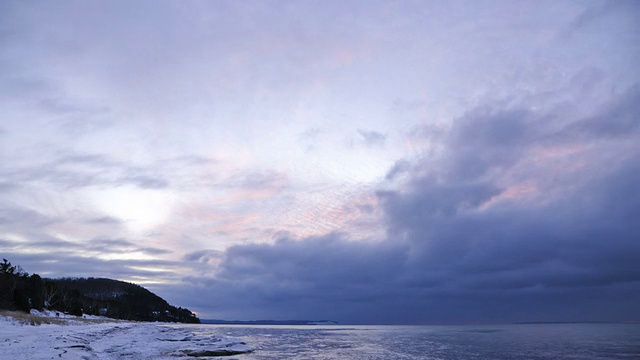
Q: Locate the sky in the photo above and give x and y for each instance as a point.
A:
(389, 162)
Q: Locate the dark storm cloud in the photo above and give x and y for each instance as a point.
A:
(576, 239)
(316, 273)
(456, 252)
(560, 243)
(485, 140)
(352, 262)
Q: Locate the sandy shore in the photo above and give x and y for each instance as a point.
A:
(78, 338)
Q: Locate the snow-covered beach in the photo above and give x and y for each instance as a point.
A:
(65, 337)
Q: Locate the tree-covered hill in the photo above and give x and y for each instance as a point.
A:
(95, 296)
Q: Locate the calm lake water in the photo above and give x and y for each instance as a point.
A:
(536, 341)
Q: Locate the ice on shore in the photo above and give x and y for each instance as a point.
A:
(113, 340)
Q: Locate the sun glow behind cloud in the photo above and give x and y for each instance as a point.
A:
(141, 210)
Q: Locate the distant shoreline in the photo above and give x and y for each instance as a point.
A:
(268, 322)
(560, 322)
(331, 322)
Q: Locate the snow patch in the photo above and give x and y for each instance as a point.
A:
(114, 340)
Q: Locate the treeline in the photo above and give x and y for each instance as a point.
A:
(94, 296)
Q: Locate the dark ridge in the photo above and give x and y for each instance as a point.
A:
(94, 296)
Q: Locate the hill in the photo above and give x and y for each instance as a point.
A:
(95, 296)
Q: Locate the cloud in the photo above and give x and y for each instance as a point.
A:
(119, 246)
(206, 256)
(62, 264)
(55, 258)
(291, 274)
(400, 167)
(618, 118)
(145, 182)
(466, 240)
(448, 263)
(106, 220)
(593, 14)
(309, 139)
(372, 138)
(96, 248)
(21, 217)
(352, 262)
(73, 171)
(193, 160)
(484, 140)
(258, 180)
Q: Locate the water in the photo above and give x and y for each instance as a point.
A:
(531, 341)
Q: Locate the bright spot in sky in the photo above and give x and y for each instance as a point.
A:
(140, 209)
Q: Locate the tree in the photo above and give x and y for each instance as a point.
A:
(51, 294)
(8, 284)
(35, 291)
(7, 268)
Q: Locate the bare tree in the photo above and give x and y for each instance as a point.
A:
(51, 294)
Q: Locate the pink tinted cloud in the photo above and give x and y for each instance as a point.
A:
(521, 192)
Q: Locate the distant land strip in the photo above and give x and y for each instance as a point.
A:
(268, 322)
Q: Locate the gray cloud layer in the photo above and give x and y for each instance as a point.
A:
(458, 247)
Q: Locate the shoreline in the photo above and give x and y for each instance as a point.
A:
(35, 337)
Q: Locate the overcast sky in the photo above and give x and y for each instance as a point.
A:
(359, 161)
